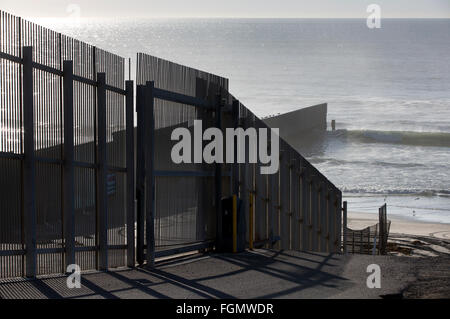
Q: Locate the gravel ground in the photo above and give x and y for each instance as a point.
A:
(432, 279)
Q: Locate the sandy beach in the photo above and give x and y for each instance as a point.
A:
(400, 225)
(408, 237)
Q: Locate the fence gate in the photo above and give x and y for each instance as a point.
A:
(176, 202)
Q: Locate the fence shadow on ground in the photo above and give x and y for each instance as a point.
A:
(258, 274)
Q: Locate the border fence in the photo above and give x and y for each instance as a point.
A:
(86, 176)
(59, 186)
(297, 208)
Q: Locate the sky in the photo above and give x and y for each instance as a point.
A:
(225, 8)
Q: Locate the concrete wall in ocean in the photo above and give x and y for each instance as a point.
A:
(305, 120)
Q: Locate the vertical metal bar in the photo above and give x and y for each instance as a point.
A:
(140, 173)
(304, 204)
(284, 200)
(218, 177)
(361, 248)
(273, 211)
(310, 214)
(353, 242)
(235, 165)
(332, 222)
(150, 175)
(381, 222)
(323, 218)
(235, 223)
(338, 222)
(315, 215)
(102, 173)
(374, 249)
(344, 225)
(29, 167)
(204, 200)
(250, 221)
(130, 172)
(129, 69)
(295, 202)
(68, 170)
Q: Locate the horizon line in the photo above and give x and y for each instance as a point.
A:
(227, 17)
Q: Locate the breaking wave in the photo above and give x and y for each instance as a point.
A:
(426, 193)
(334, 161)
(440, 139)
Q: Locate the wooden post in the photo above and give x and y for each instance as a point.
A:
(68, 169)
(29, 164)
(102, 200)
(131, 260)
(150, 174)
(344, 226)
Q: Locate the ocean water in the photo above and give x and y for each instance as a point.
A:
(388, 90)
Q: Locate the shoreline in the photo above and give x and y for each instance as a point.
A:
(401, 225)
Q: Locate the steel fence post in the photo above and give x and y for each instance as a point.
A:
(140, 173)
(150, 174)
(68, 168)
(129, 86)
(29, 164)
(102, 200)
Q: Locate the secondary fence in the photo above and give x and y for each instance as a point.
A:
(83, 182)
(370, 240)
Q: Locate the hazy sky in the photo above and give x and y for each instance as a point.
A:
(228, 8)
